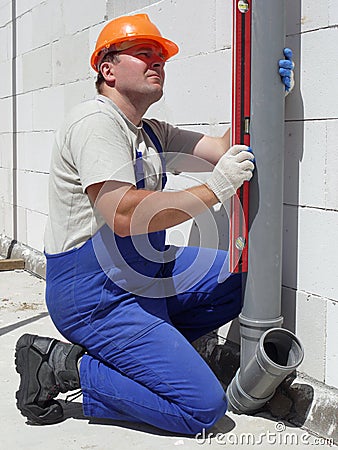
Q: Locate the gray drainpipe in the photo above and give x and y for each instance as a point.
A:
(268, 353)
(14, 134)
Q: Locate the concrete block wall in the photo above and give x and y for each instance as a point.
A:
(51, 74)
(54, 41)
(310, 190)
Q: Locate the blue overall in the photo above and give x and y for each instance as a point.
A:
(140, 365)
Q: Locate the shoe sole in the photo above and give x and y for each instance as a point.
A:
(23, 361)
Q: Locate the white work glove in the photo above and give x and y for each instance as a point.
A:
(234, 167)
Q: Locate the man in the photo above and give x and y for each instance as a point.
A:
(130, 305)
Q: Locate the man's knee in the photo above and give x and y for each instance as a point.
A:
(212, 410)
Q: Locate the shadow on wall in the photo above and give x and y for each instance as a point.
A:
(294, 147)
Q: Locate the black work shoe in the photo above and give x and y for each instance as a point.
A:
(46, 367)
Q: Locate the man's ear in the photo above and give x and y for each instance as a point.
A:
(107, 71)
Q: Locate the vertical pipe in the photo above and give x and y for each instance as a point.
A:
(263, 284)
(14, 126)
(14, 135)
(268, 354)
(262, 287)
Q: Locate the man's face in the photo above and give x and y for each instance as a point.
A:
(140, 72)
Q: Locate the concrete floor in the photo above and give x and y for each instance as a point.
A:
(22, 310)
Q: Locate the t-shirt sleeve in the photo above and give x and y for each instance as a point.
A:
(175, 139)
(101, 150)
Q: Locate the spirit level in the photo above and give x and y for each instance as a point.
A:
(240, 131)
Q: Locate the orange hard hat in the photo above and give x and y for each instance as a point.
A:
(133, 29)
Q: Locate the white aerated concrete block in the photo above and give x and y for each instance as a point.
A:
(160, 110)
(25, 112)
(81, 14)
(210, 130)
(298, 310)
(33, 191)
(305, 157)
(314, 15)
(36, 223)
(190, 25)
(5, 12)
(24, 30)
(34, 151)
(332, 165)
(290, 246)
(316, 82)
(78, 92)
(94, 32)
(317, 252)
(123, 7)
(19, 75)
(310, 329)
(6, 202)
(6, 78)
(36, 68)
(193, 93)
(48, 108)
(6, 42)
(331, 376)
(2, 215)
(71, 58)
(312, 183)
(22, 228)
(8, 219)
(6, 184)
(26, 5)
(6, 112)
(48, 23)
(293, 154)
(333, 12)
(6, 152)
(224, 23)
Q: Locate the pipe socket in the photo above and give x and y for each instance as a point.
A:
(251, 332)
(278, 353)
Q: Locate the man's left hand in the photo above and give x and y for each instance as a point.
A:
(286, 67)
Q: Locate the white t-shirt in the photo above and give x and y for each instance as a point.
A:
(95, 144)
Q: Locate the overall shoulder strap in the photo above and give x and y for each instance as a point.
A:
(147, 128)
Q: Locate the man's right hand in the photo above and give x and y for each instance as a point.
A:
(233, 168)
